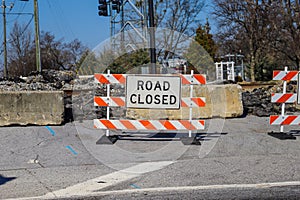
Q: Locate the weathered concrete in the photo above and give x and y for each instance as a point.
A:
(223, 101)
(31, 107)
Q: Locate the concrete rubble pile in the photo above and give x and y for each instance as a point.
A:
(82, 100)
(258, 101)
(46, 80)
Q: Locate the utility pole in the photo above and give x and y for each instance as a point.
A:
(4, 39)
(122, 25)
(152, 37)
(37, 37)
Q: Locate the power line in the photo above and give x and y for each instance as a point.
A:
(19, 13)
(58, 15)
(27, 25)
(25, 28)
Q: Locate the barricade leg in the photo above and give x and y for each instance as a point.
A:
(190, 141)
(108, 139)
(282, 135)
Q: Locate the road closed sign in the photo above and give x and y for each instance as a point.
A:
(153, 92)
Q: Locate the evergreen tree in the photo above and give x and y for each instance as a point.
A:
(205, 39)
(202, 51)
(130, 61)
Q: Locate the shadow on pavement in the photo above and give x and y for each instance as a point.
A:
(183, 137)
(4, 180)
(282, 135)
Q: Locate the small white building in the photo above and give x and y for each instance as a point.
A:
(231, 67)
(225, 71)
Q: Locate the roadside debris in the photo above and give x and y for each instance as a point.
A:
(258, 101)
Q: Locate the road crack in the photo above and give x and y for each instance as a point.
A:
(40, 182)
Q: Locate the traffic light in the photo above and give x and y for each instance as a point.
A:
(116, 5)
(103, 9)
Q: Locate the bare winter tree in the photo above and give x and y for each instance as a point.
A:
(246, 23)
(178, 15)
(55, 54)
(181, 17)
(264, 30)
(59, 55)
(286, 23)
(21, 55)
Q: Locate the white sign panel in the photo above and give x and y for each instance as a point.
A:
(157, 92)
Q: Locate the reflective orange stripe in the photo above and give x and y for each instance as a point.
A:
(289, 120)
(120, 78)
(200, 78)
(275, 73)
(184, 81)
(107, 124)
(128, 124)
(119, 101)
(290, 75)
(167, 125)
(99, 101)
(101, 78)
(198, 101)
(273, 118)
(147, 125)
(183, 104)
(202, 122)
(188, 125)
(284, 98)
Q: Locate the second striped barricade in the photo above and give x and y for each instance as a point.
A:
(283, 98)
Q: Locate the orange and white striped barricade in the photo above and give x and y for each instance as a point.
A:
(285, 75)
(285, 120)
(148, 125)
(283, 98)
(154, 125)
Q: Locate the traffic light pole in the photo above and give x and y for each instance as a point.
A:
(152, 37)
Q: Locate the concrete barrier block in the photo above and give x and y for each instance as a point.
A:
(31, 107)
(223, 101)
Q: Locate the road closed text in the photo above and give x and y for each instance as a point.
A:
(153, 92)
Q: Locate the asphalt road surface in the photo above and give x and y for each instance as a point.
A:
(237, 160)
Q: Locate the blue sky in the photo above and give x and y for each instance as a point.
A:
(66, 19)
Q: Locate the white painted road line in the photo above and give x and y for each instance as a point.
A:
(114, 178)
(178, 189)
(204, 187)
